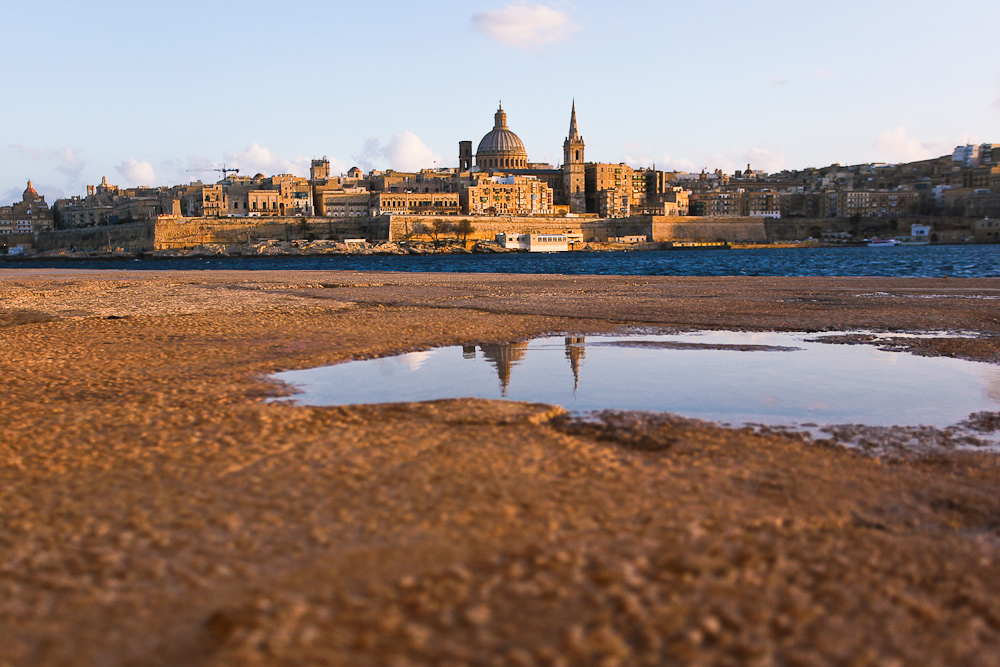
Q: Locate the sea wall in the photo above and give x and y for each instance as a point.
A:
(944, 229)
(418, 227)
(174, 232)
(178, 232)
(131, 237)
(692, 228)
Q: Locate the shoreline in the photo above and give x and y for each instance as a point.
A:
(309, 249)
(160, 511)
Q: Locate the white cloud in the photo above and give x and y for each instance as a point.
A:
(407, 152)
(676, 164)
(895, 146)
(10, 196)
(403, 152)
(27, 151)
(65, 160)
(68, 162)
(826, 74)
(779, 81)
(636, 157)
(526, 25)
(256, 159)
(758, 157)
(996, 102)
(763, 159)
(137, 173)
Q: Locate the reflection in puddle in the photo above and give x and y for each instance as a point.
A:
(735, 378)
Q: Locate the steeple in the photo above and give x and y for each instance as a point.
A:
(574, 167)
(573, 133)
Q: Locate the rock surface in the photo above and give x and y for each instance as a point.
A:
(157, 510)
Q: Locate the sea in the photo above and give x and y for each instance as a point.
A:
(951, 261)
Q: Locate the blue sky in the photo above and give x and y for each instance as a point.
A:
(141, 91)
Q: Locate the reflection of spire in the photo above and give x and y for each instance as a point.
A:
(504, 356)
(575, 354)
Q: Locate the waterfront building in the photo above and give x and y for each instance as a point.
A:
(414, 203)
(344, 203)
(534, 242)
(513, 195)
(877, 203)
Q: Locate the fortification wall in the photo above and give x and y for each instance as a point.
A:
(691, 228)
(132, 237)
(178, 233)
(802, 228)
(418, 227)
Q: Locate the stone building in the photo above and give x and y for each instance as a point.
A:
(514, 195)
(107, 204)
(30, 215)
(877, 203)
(414, 203)
(616, 179)
(344, 203)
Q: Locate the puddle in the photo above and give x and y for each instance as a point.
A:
(732, 378)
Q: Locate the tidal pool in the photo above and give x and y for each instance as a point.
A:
(734, 378)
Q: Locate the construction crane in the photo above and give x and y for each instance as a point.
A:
(224, 169)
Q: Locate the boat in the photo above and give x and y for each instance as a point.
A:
(882, 243)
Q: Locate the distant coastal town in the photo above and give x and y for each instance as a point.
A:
(499, 200)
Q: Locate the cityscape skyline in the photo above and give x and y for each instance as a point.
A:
(680, 85)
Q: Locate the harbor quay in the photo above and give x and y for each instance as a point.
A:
(160, 507)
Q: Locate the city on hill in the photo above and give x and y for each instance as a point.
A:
(497, 195)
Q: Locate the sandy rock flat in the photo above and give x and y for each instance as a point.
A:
(156, 510)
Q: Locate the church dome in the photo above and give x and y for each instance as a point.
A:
(29, 193)
(501, 148)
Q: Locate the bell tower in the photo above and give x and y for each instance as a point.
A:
(464, 155)
(573, 168)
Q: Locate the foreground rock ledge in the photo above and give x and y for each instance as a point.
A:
(156, 511)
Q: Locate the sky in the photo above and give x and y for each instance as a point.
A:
(148, 92)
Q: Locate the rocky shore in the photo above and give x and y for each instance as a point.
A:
(158, 510)
(276, 248)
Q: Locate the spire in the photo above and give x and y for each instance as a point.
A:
(573, 133)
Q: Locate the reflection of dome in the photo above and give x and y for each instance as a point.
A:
(501, 148)
(504, 356)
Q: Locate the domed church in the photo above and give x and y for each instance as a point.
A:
(501, 148)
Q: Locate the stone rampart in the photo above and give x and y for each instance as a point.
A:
(178, 232)
(699, 229)
(418, 227)
(787, 229)
(131, 237)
